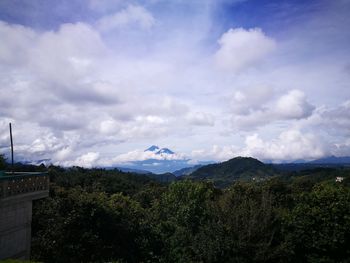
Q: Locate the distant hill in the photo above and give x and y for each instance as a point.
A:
(239, 168)
(332, 160)
(187, 170)
(327, 162)
(131, 170)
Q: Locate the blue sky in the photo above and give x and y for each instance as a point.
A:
(96, 82)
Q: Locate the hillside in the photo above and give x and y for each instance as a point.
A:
(236, 169)
(332, 160)
(187, 170)
(164, 178)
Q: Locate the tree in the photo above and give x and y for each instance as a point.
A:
(251, 221)
(179, 218)
(76, 226)
(318, 227)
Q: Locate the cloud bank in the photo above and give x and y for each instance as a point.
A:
(88, 87)
(240, 48)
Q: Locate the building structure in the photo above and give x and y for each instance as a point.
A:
(17, 192)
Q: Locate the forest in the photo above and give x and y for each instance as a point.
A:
(98, 215)
(94, 215)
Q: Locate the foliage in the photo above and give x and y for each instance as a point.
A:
(88, 227)
(98, 180)
(251, 221)
(318, 227)
(237, 169)
(95, 215)
(180, 215)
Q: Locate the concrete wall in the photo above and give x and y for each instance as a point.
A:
(15, 224)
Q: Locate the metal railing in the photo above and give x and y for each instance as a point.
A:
(12, 184)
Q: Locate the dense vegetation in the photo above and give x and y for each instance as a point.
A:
(96, 215)
(101, 216)
(237, 169)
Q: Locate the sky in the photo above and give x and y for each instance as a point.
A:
(94, 83)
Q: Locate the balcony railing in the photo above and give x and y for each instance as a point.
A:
(12, 184)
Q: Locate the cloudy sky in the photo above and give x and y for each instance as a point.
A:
(96, 82)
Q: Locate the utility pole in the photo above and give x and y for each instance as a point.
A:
(12, 164)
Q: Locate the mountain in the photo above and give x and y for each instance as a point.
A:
(327, 162)
(159, 151)
(158, 166)
(239, 168)
(187, 170)
(164, 177)
(332, 160)
(153, 148)
(157, 160)
(165, 151)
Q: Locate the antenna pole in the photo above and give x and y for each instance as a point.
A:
(11, 145)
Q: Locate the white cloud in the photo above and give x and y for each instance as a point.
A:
(140, 155)
(14, 43)
(109, 126)
(294, 105)
(151, 119)
(132, 15)
(342, 148)
(87, 160)
(290, 145)
(215, 153)
(261, 108)
(334, 120)
(62, 154)
(61, 88)
(243, 102)
(200, 119)
(241, 48)
(71, 89)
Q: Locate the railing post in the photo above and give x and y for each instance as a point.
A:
(12, 162)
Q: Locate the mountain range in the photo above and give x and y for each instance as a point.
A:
(159, 160)
(242, 169)
(332, 160)
(159, 151)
